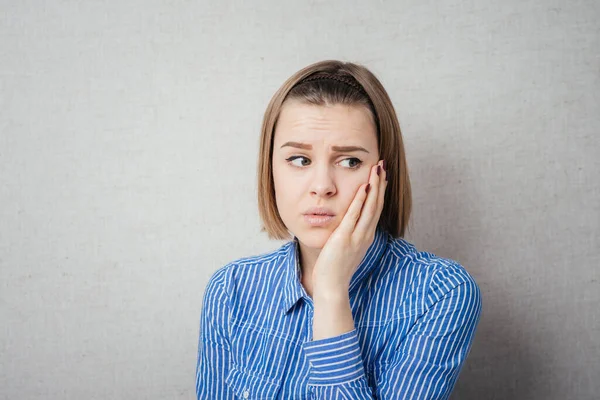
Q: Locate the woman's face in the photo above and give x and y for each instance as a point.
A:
(321, 155)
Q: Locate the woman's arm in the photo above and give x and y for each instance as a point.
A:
(336, 365)
(428, 361)
(425, 366)
(213, 344)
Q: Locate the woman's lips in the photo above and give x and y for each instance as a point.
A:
(317, 220)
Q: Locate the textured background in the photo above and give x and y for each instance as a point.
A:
(128, 142)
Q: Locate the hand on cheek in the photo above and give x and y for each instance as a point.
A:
(349, 242)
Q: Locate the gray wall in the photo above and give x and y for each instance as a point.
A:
(128, 142)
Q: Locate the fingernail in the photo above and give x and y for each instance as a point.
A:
(378, 169)
(368, 188)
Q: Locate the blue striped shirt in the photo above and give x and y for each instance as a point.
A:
(415, 315)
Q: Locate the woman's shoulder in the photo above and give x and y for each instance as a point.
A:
(240, 268)
(436, 274)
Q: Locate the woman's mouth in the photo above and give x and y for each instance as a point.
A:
(317, 220)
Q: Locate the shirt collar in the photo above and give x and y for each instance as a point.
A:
(293, 290)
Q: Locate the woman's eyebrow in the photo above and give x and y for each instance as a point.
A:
(340, 149)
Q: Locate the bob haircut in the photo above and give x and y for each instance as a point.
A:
(348, 84)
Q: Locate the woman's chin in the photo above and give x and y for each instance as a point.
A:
(314, 237)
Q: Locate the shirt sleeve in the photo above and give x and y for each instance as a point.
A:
(336, 368)
(426, 364)
(213, 344)
(428, 361)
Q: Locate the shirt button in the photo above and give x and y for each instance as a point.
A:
(246, 394)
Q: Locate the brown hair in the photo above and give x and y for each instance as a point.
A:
(349, 84)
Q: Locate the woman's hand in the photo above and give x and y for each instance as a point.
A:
(349, 242)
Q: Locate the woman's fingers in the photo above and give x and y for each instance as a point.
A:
(367, 222)
(353, 213)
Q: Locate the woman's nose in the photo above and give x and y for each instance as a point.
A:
(323, 183)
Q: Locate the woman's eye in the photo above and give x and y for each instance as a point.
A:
(354, 161)
(294, 158)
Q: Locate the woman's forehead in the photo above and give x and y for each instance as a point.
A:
(342, 124)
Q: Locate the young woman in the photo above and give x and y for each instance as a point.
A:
(346, 309)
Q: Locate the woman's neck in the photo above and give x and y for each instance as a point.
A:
(308, 259)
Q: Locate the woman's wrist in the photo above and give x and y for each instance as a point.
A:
(333, 295)
(332, 316)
